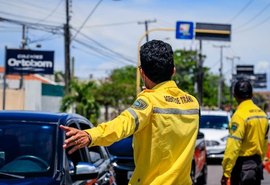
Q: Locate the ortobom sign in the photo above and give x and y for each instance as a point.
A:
(29, 61)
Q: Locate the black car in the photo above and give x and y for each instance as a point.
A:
(123, 163)
(31, 151)
(122, 158)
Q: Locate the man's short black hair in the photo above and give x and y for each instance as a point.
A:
(243, 90)
(157, 60)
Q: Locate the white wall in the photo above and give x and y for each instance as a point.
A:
(51, 103)
(32, 97)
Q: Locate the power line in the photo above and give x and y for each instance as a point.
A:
(25, 17)
(8, 31)
(107, 53)
(108, 49)
(27, 4)
(111, 24)
(96, 54)
(97, 50)
(255, 26)
(89, 51)
(241, 11)
(53, 11)
(42, 39)
(29, 24)
(84, 22)
(254, 17)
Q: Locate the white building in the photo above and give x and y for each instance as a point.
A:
(32, 92)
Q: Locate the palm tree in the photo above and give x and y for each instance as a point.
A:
(82, 100)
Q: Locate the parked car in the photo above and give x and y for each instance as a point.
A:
(123, 163)
(31, 151)
(214, 124)
(199, 163)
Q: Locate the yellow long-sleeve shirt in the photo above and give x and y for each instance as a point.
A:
(164, 123)
(248, 131)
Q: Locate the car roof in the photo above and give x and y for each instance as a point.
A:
(60, 118)
(215, 112)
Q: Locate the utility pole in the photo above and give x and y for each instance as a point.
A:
(200, 75)
(24, 41)
(146, 22)
(24, 44)
(232, 81)
(4, 82)
(67, 48)
(232, 60)
(220, 84)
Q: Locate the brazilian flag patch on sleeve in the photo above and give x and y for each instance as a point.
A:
(139, 104)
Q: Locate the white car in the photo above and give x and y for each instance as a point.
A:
(214, 124)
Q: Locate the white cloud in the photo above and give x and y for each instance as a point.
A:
(262, 66)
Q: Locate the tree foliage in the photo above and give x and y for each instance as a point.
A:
(124, 79)
(118, 90)
(186, 78)
(186, 70)
(82, 100)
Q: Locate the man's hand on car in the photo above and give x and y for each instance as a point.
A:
(75, 138)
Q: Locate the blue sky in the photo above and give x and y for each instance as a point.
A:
(110, 37)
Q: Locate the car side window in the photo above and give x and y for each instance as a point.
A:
(96, 154)
(78, 155)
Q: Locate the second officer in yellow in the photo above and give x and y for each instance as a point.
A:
(247, 142)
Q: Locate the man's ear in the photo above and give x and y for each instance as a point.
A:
(174, 71)
(142, 72)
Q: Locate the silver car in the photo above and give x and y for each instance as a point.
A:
(214, 125)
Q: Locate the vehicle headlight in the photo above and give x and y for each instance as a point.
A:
(211, 143)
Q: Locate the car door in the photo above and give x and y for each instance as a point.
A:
(81, 170)
(99, 157)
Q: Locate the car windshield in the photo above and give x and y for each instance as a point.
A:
(26, 148)
(214, 121)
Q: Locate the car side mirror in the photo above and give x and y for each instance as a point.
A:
(200, 135)
(84, 171)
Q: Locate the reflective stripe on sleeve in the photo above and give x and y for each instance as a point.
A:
(259, 117)
(175, 111)
(136, 119)
(234, 137)
(256, 117)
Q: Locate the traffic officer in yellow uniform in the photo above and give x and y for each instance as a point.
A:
(247, 142)
(164, 122)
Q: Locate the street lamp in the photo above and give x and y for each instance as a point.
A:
(232, 59)
(220, 74)
(231, 88)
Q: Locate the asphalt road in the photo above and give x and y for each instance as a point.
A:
(215, 173)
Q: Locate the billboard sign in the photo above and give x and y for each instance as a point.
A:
(184, 30)
(29, 61)
(257, 80)
(216, 32)
(245, 69)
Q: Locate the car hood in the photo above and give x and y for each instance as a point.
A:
(213, 134)
(32, 181)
